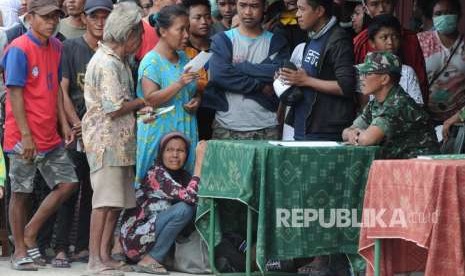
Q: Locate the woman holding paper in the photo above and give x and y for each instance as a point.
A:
(163, 82)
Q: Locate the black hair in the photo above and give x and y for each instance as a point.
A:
(192, 3)
(383, 21)
(165, 17)
(427, 7)
(328, 5)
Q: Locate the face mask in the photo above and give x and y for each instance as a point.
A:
(345, 25)
(445, 24)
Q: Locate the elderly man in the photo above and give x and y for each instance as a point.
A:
(108, 131)
(393, 120)
(34, 109)
(77, 53)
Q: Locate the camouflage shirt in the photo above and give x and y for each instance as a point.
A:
(406, 126)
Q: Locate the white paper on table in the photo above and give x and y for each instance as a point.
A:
(305, 143)
(438, 130)
(280, 86)
(198, 62)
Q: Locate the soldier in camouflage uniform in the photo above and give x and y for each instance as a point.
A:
(392, 120)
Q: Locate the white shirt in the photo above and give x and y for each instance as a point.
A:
(10, 12)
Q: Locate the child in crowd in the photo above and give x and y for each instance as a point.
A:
(384, 35)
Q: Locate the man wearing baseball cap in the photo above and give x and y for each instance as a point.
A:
(34, 110)
(77, 53)
(393, 120)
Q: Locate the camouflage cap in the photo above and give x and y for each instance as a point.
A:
(380, 63)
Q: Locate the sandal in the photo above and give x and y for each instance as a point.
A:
(154, 268)
(80, 258)
(121, 257)
(124, 267)
(36, 256)
(60, 263)
(23, 264)
(106, 271)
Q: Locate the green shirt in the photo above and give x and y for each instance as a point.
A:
(406, 126)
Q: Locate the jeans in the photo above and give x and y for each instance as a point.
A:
(167, 227)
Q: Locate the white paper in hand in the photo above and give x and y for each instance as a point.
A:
(198, 62)
(280, 86)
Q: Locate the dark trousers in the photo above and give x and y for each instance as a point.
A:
(66, 213)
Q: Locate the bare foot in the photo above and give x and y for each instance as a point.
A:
(95, 265)
(147, 260)
(113, 264)
(61, 255)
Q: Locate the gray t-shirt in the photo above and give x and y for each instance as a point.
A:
(246, 114)
(76, 56)
(69, 31)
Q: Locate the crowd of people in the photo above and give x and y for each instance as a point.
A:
(105, 125)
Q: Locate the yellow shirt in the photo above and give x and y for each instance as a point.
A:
(203, 80)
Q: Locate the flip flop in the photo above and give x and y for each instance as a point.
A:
(23, 264)
(60, 263)
(154, 268)
(80, 258)
(36, 256)
(123, 266)
(118, 257)
(106, 271)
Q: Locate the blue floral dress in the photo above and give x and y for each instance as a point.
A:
(164, 73)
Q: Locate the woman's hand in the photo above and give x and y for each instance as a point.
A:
(187, 77)
(199, 155)
(1, 192)
(294, 77)
(146, 111)
(448, 124)
(192, 105)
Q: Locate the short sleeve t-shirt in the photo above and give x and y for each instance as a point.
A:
(36, 68)
(76, 56)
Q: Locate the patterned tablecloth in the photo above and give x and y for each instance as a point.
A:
(273, 180)
(419, 206)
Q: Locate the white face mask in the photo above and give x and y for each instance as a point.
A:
(346, 25)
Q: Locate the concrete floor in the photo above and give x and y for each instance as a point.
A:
(77, 269)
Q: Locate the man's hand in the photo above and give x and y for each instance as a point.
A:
(1, 192)
(68, 134)
(29, 147)
(77, 129)
(352, 136)
(192, 105)
(448, 124)
(294, 77)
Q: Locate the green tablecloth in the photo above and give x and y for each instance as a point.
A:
(267, 177)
